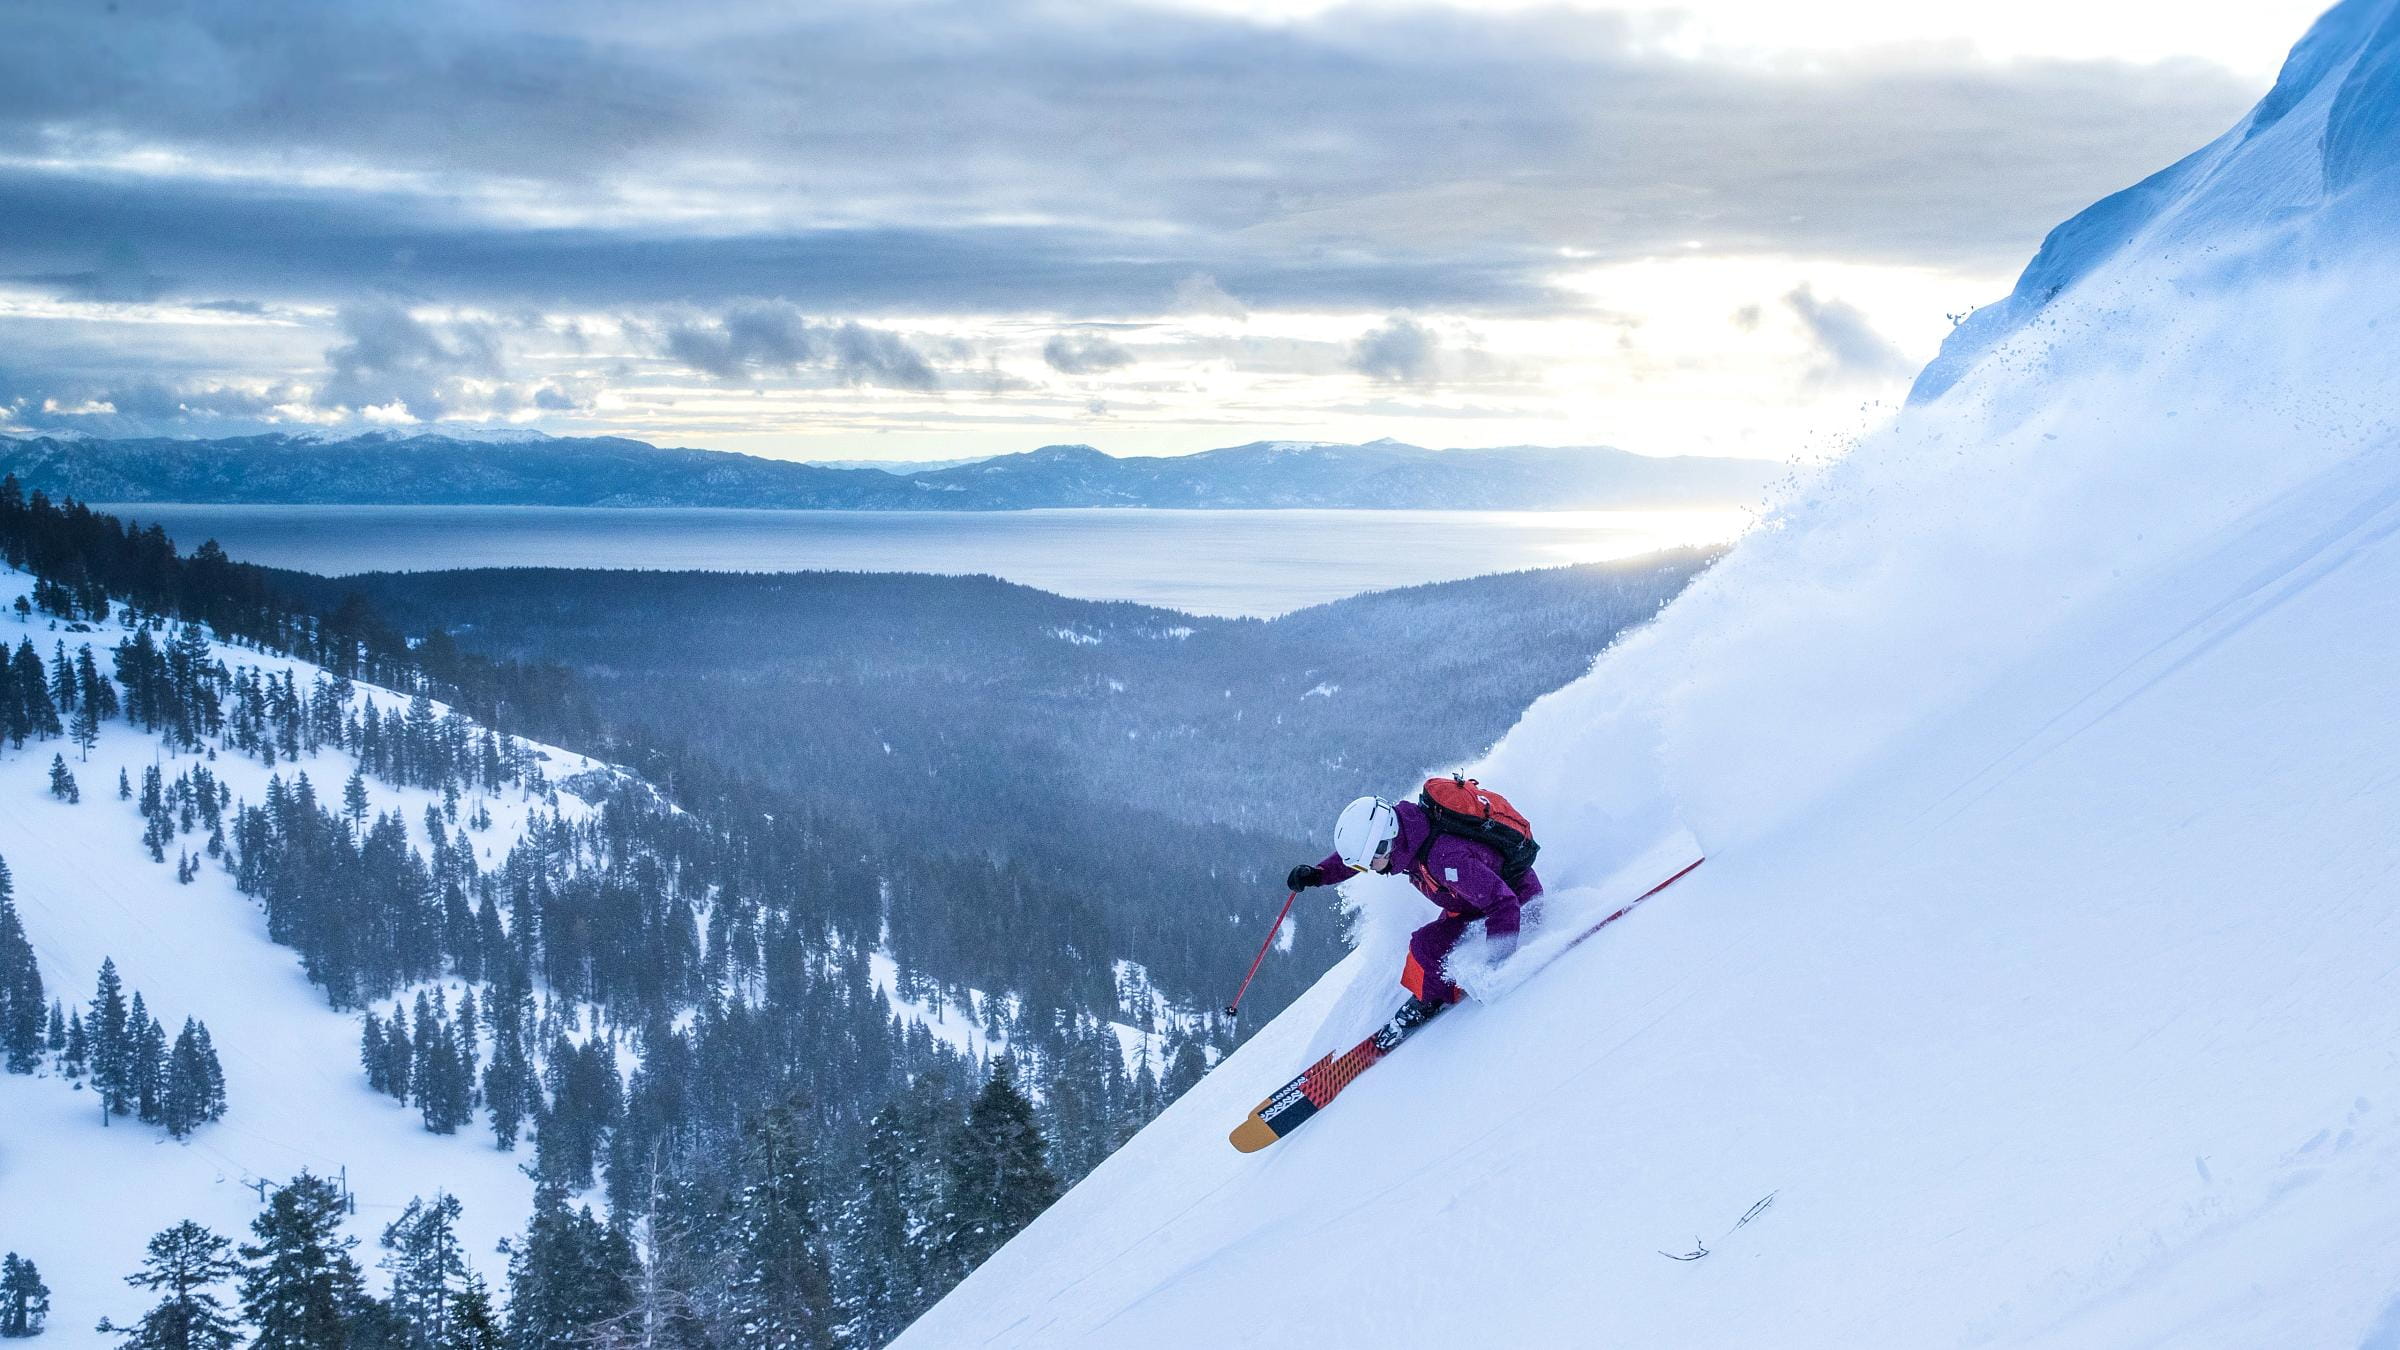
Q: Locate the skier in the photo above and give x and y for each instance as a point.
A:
(1462, 875)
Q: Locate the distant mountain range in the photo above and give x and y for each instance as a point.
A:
(446, 470)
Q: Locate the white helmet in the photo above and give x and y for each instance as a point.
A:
(1365, 832)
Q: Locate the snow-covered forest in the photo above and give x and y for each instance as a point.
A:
(447, 985)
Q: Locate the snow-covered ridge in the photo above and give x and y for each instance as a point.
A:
(87, 889)
(2041, 970)
(2312, 172)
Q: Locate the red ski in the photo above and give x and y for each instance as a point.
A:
(1289, 1107)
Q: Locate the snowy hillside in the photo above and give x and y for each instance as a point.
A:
(80, 1199)
(2045, 972)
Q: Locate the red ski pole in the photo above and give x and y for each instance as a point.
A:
(1234, 1009)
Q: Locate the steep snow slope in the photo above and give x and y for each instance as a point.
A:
(81, 1200)
(2045, 971)
(2315, 167)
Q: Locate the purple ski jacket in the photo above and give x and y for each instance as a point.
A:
(1460, 875)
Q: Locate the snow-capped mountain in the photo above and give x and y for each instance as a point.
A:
(528, 469)
(2038, 989)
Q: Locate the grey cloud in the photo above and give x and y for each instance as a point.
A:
(753, 340)
(153, 402)
(391, 356)
(1398, 351)
(1854, 353)
(995, 382)
(864, 355)
(138, 408)
(1185, 156)
(1085, 353)
(389, 80)
(119, 276)
(362, 249)
(747, 340)
(66, 375)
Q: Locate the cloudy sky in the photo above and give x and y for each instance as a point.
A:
(925, 229)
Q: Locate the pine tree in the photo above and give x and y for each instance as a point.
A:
(24, 1299)
(195, 1091)
(62, 783)
(491, 941)
(124, 787)
(585, 1097)
(112, 1043)
(420, 1064)
(184, 1261)
(998, 1179)
(1187, 1068)
(474, 1326)
(428, 1268)
(300, 1286)
(1085, 1089)
(85, 729)
(1142, 1103)
(13, 719)
(664, 1311)
(370, 1051)
(508, 1087)
(882, 1277)
(570, 1274)
(92, 689)
(443, 1083)
(21, 997)
(213, 1107)
(468, 1048)
(146, 1067)
(399, 1055)
(456, 1100)
(779, 1294)
(76, 1060)
(33, 688)
(62, 680)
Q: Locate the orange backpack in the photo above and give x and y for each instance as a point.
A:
(1459, 805)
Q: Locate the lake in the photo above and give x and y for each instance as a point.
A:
(1203, 562)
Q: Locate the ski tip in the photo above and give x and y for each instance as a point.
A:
(1253, 1134)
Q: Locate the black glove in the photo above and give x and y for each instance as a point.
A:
(1304, 876)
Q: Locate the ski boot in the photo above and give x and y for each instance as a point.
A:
(1413, 1014)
